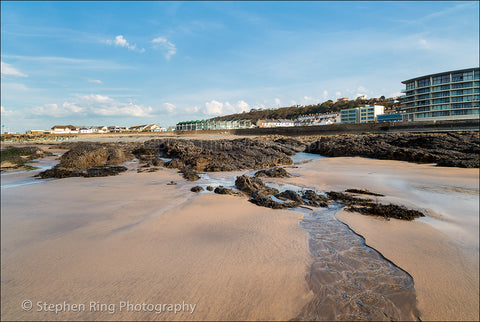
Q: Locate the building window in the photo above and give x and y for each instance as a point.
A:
(424, 90)
(410, 85)
(468, 76)
(424, 82)
(458, 77)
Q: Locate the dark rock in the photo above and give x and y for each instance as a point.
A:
(190, 174)
(157, 162)
(60, 173)
(196, 189)
(172, 183)
(90, 160)
(174, 164)
(289, 195)
(104, 171)
(225, 191)
(314, 199)
(16, 157)
(210, 188)
(369, 207)
(251, 185)
(276, 172)
(387, 211)
(452, 149)
(364, 192)
(264, 201)
(220, 155)
(144, 153)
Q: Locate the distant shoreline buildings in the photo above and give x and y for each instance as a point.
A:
(70, 129)
(450, 95)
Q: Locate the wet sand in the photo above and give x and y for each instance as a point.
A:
(134, 238)
(441, 251)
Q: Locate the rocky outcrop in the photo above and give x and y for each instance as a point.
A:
(459, 149)
(196, 189)
(221, 190)
(276, 172)
(251, 185)
(220, 155)
(189, 174)
(387, 211)
(90, 160)
(290, 195)
(314, 199)
(95, 171)
(265, 201)
(372, 208)
(17, 157)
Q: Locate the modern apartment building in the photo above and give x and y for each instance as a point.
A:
(362, 114)
(443, 96)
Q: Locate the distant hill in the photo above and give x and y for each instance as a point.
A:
(293, 112)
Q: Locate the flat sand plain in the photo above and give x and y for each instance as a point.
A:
(134, 238)
(441, 251)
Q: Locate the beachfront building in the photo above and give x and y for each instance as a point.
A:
(442, 96)
(275, 123)
(362, 114)
(350, 115)
(201, 125)
(102, 129)
(117, 129)
(369, 113)
(147, 128)
(317, 119)
(64, 129)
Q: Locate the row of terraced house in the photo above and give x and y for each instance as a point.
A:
(71, 129)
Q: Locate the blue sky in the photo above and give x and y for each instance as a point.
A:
(128, 63)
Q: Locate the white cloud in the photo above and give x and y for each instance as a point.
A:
(169, 106)
(8, 69)
(213, 107)
(4, 111)
(96, 81)
(325, 94)
(218, 108)
(242, 106)
(277, 101)
(93, 104)
(15, 87)
(166, 45)
(119, 41)
(338, 94)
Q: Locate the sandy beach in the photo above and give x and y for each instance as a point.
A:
(134, 238)
(439, 251)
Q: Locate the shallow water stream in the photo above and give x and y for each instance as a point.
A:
(350, 280)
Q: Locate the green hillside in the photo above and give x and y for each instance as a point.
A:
(293, 112)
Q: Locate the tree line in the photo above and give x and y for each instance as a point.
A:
(293, 112)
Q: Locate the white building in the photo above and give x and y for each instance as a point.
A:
(362, 114)
(275, 123)
(63, 129)
(369, 113)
